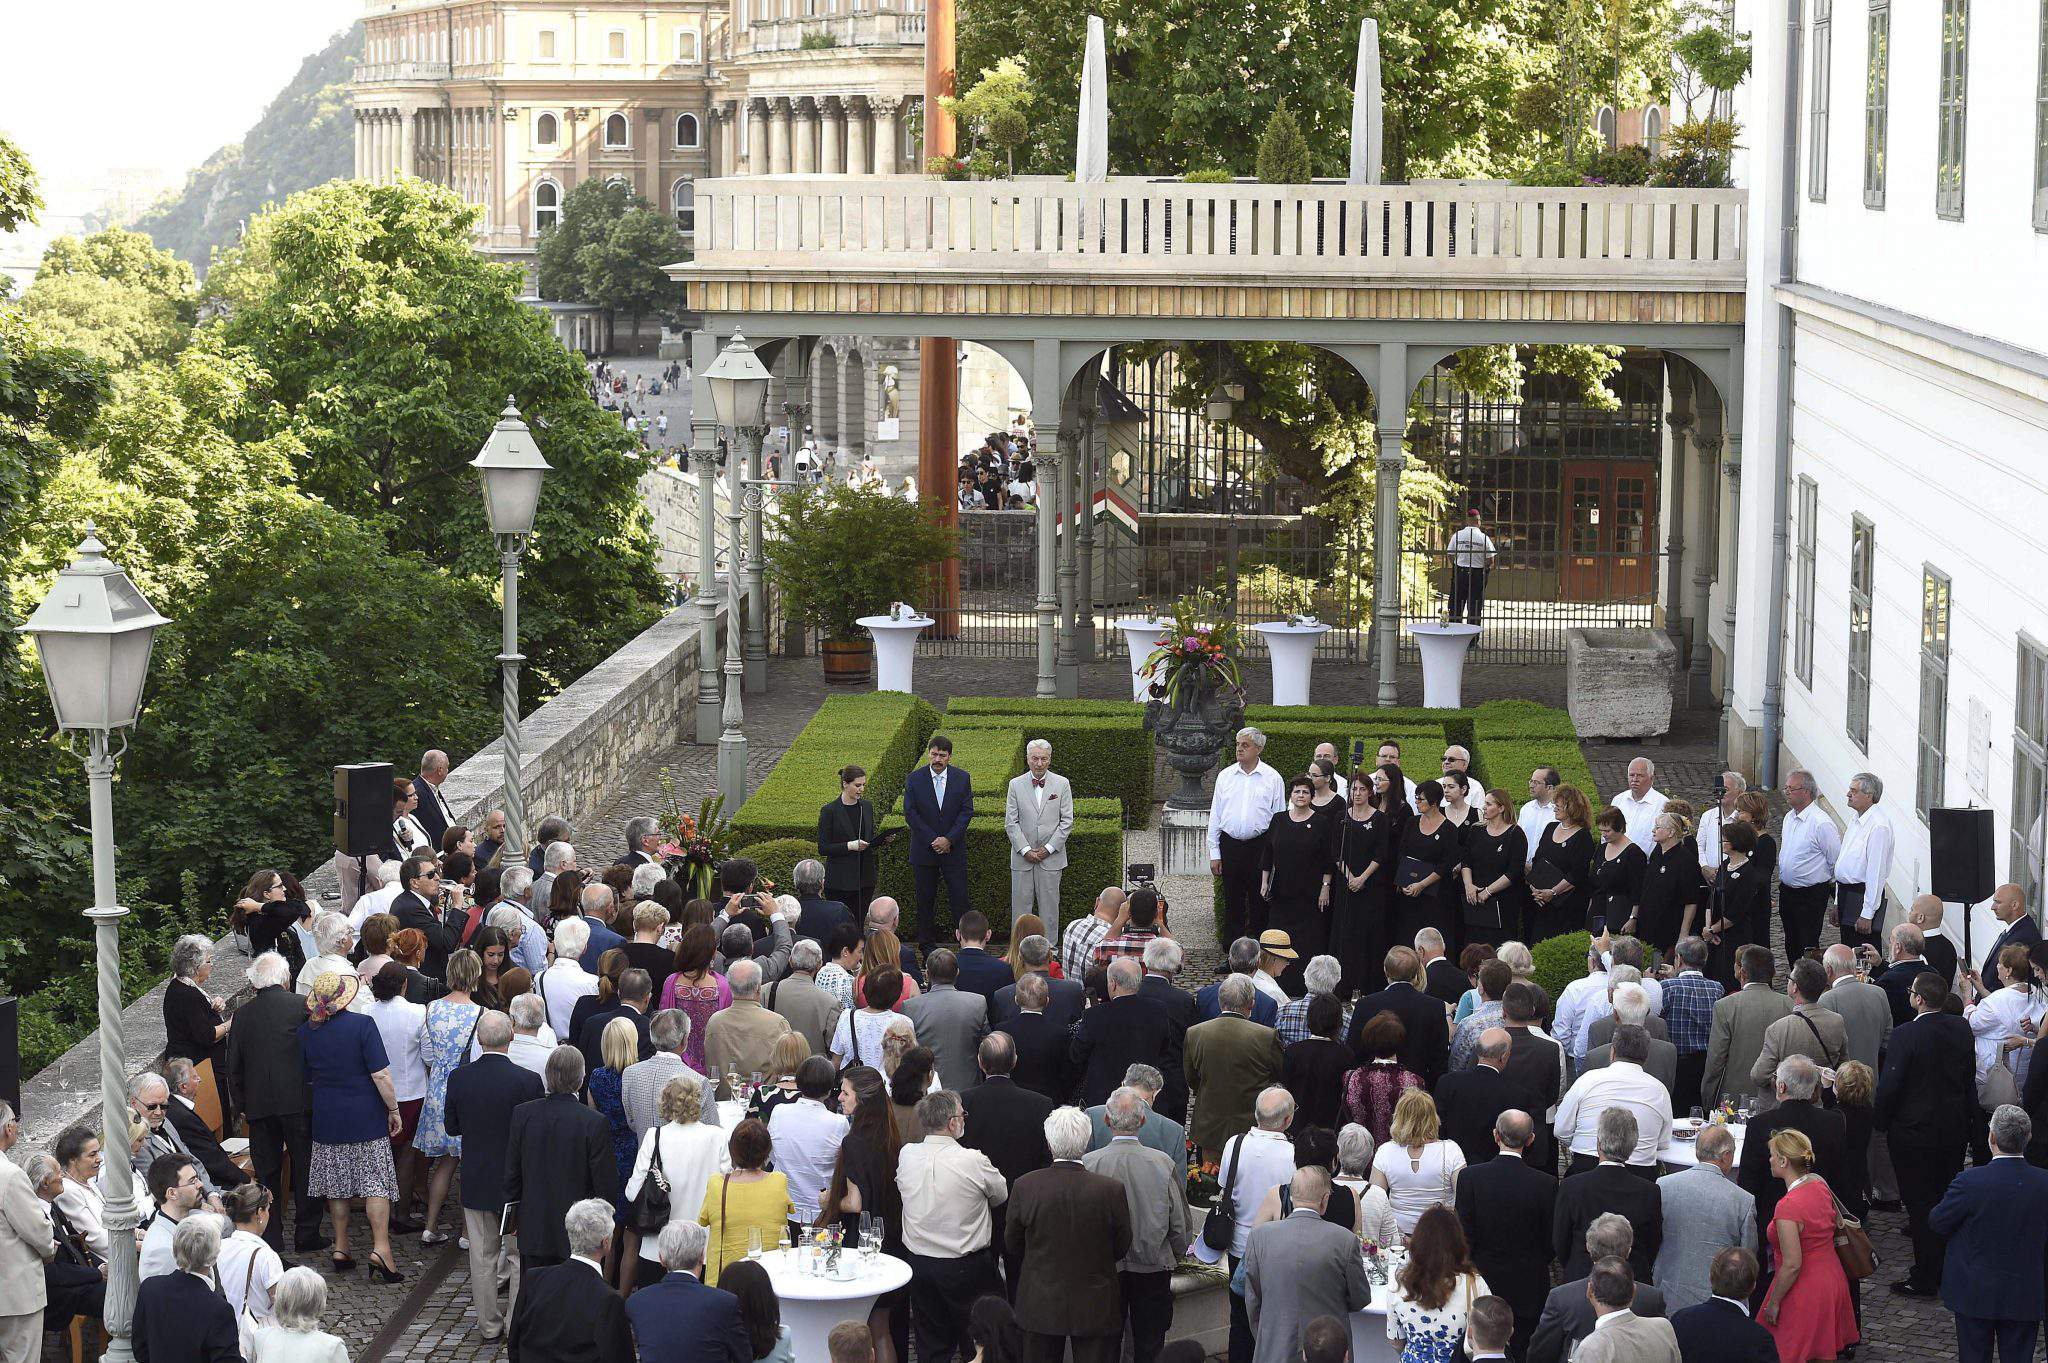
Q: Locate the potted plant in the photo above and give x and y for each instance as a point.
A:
(1197, 692)
(837, 553)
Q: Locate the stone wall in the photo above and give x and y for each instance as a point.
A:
(578, 749)
(670, 496)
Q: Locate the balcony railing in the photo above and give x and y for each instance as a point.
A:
(1454, 231)
(877, 28)
(376, 72)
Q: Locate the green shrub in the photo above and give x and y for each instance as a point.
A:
(1283, 157)
(1621, 166)
(884, 732)
(1095, 858)
(1103, 755)
(1559, 961)
(1025, 705)
(775, 860)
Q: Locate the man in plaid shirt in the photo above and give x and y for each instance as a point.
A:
(1689, 999)
(1320, 976)
(1142, 924)
(1077, 947)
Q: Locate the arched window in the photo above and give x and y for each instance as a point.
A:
(547, 131)
(615, 129)
(687, 50)
(547, 205)
(1653, 132)
(684, 198)
(686, 130)
(1610, 137)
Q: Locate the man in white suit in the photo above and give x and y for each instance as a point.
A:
(1038, 816)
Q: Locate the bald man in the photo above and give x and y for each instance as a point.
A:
(2008, 906)
(1469, 1101)
(1936, 945)
(885, 915)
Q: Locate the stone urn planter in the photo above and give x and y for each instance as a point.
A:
(1193, 733)
(1618, 682)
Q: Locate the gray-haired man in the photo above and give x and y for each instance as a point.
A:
(1157, 1193)
(1037, 817)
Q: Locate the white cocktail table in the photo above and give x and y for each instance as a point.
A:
(812, 1306)
(1141, 635)
(1443, 661)
(1293, 650)
(895, 647)
(1681, 1154)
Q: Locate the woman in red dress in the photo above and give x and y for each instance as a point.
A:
(1807, 1310)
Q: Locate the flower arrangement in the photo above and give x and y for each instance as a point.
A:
(825, 1246)
(696, 843)
(1194, 657)
(1375, 1261)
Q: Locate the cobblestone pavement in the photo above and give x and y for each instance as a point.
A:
(429, 1317)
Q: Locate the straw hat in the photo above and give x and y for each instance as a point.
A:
(332, 993)
(1277, 943)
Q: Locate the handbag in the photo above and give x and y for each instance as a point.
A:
(1998, 1087)
(1852, 1244)
(648, 1212)
(1221, 1227)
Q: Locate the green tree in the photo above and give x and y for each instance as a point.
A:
(115, 296)
(610, 249)
(1283, 152)
(997, 109)
(19, 202)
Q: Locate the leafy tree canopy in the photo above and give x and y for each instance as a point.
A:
(19, 202)
(609, 249)
(114, 296)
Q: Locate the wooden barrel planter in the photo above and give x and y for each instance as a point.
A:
(849, 663)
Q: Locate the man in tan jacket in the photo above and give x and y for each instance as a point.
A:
(1809, 1030)
(27, 1239)
(742, 1034)
(1229, 1061)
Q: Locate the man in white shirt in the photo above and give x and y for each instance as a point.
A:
(1327, 752)
(566, 981)
(1807, 848)
(1572, 1019)
(1539, 811)
(175, 1183)
(1621, 1083)
(1471, 553)
(1248, 794)
(806, 1136)
(1641, 803)
(1389, 755)
(1261, 1158)
(1864, 864)
(384, 876)
(948, 1193)
(1709, 833)
(532, 1039)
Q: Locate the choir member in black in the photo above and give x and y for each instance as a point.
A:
(1426, 876)
(1300, 864)
(1327, 803)
(1739, 902)
(1496, 857)
(1458, 806)
(1360, 912)
(1752, 808)
(1562, 872)
(1673, 889)
(1617, 874)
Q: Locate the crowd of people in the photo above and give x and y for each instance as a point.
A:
(619, 1097)
(1001, 473)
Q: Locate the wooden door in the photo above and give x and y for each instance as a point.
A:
(1610, 530)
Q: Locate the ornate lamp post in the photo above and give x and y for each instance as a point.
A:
(94, 632)
(511, 469)
(739, 400)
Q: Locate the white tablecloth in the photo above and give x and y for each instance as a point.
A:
(1681, 1155)
(812, 1306)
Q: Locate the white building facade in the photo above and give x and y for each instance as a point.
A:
(1891, 610)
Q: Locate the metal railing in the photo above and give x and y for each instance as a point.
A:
(376, 72)
(873, 28)
(1454, 230)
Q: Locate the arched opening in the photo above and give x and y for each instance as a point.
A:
(547, 205)
(686, 131)
(683, 200)
(1653, 132)
(616, 131)
(547, 131)
(687, 48)
(1609, 128)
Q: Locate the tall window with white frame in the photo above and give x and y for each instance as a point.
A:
(684, 198)
(1823, 72)
(2041, 127)
(1862, 582)
(547, 205)
(2029, 769)
(1877, 93)
(1802, 587)
(1952, 140)
(1935, 614)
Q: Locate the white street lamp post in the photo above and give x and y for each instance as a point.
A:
(739, 400)
(94, 632)
(511, 469)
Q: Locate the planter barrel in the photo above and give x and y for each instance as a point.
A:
(848, 662)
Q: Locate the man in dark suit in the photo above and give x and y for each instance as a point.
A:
(1996, 1220)
(183, 1113)
(2009, 906)
(681, 1318)
(1126, 1030)
(1162, 962)
(1507, 1207)
(1064, 998)
(182, 1317)
(817, 915)
(1066, 1228)
(557, 1152)
(269, 1089)
(1039, 1041)
(71, 1277)
(1926, 1105)
(568, 1313)
(1468, 1101)
(643, 843)
(1441, 978)
(1241, 958)
(1428, 1045)
(634, 1001)
(938, 803)
(1567, 1316)
(482, 1097)
(1006, 1122)
(1535, 1065)
(433, 813)
(1798, 1086)
(1908, 962)
(980, 972)
(1609, 1186)
(414, 908)
(1721, 1329)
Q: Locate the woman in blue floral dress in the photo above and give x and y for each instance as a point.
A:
(444, 1044)
(1433, 1290)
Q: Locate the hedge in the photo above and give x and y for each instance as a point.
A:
(1560, 960)
(775, 860)
(1095, 858)
(884, 732)
(1107, 756)
(1026, 705)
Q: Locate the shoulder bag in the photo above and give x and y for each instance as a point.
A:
(1852, 1244)
(1998, 1087)
(1221, 1227)
(648, 1213)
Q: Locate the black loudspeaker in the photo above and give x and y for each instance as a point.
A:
(362, 808)
(1960, 849)
(10, 1053)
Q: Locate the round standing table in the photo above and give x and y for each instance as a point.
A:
(1681, 1154)
(1141, 636)
(1293, 649)
(1369, 1342)
(1443, 661)
(812, 1306)
(895, 647)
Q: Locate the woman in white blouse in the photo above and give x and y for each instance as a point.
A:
(690, 1152)
(78, 1154)
(401, 1023)
(248, 1268)
(294, 1334)
(1354, 1171)
(407, 832)
(1417, 1169)
(2007, 1021)
(145, 1205)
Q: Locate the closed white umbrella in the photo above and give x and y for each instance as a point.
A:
(1091, 147)
(1365, 107)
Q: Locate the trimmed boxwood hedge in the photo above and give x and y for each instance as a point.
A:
(1026, 705)
(1108, 756)
(884, 731)
(1560, 960)
(1095, 858)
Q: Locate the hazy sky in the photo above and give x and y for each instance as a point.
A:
(149, 83)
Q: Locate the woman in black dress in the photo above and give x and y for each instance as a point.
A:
(1458, 805)
(1301, 861)
(1562, 872)
(1617, 875)
(1426, 874)
(1359, 924)
(846, 840)
(1672, 893)
(1327, 803)
(1496, 858)
(1755, 810)
(195, 1022)
(1739, 900)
